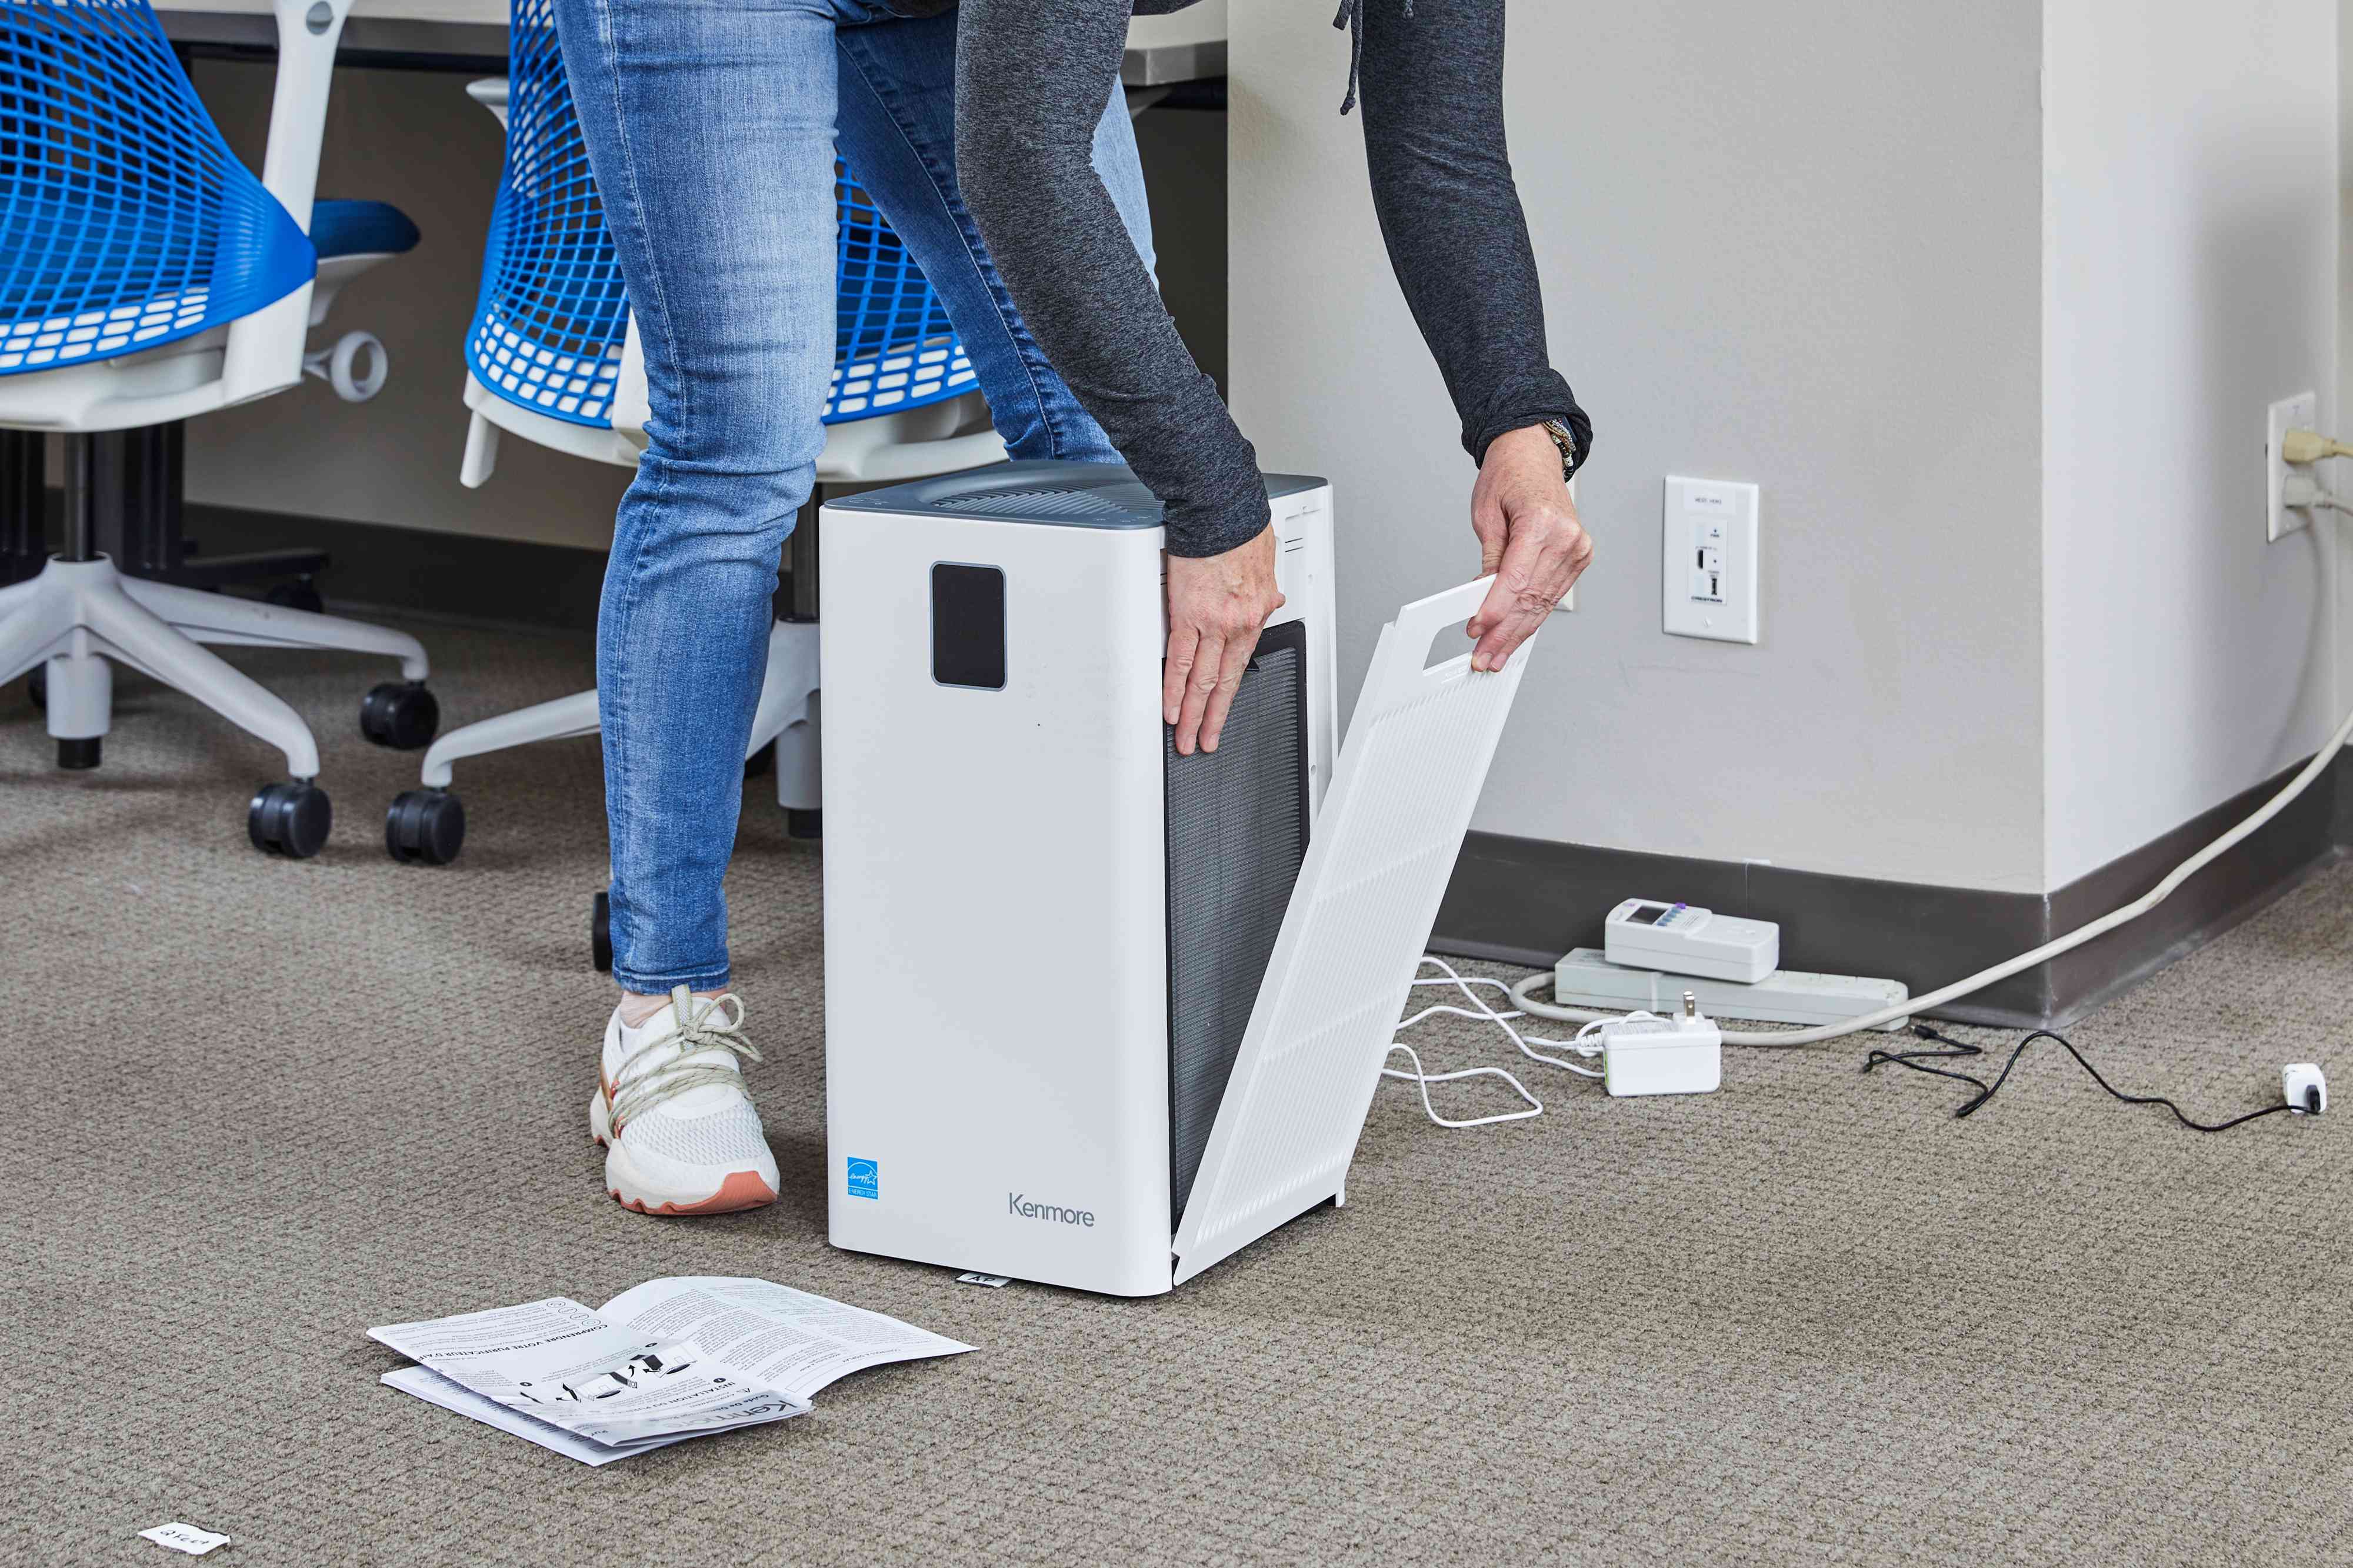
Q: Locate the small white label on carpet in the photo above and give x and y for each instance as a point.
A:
(993, 1281)
(185, 1538)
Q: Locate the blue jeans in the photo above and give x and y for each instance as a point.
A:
(711, 127)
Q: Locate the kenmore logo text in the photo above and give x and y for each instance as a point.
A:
(1015, 1204)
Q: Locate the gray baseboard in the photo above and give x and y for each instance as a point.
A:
(1526, 901)
(461, 576)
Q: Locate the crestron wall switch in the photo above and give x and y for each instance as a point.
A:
(1654, 933)
(1709, 559)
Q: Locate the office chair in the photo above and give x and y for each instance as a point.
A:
(552, 357)
(146, 275)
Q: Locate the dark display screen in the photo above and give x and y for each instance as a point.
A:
(1648, 914)
(968, 627)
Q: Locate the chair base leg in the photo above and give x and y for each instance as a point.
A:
(78, 615)
(425, 824)
(225, 620)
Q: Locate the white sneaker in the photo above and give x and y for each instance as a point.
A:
(680, 1132)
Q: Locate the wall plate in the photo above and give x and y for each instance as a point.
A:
(1708, 560)
(2298, 413)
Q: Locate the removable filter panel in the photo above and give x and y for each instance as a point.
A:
(1384, 847)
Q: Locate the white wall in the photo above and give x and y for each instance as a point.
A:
(1795, 244)
(2190, 190)
(2341, 475)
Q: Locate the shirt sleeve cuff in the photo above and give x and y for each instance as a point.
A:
(1197, 535)
(1549, 397)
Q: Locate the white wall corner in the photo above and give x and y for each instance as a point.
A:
(2192, 254)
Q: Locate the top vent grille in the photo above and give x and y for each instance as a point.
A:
(1119, 501)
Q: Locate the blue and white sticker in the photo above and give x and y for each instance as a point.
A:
(865, 1178)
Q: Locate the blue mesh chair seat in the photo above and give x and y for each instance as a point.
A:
(554, 312)
(128, 221)
(346, 227)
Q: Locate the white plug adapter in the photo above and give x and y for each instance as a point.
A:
(1648, 1055)
(2305, 1088)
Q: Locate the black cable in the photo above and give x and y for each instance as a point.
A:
(1961, 1049)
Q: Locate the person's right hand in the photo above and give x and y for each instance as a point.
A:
(1217, 607)
(1530, 542)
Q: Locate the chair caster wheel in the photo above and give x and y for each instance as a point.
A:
(600, 933)
(762, 760)
(800, 823)
(298, 595)
(424, 827)
(289, 819)
(400, 714)
(37, 687)
(77, 756)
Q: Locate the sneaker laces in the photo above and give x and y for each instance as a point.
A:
(703, 1025)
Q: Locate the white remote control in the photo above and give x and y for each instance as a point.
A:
(1645, 934)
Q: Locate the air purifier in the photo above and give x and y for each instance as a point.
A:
(1078, 1028)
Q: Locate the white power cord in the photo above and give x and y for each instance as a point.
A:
(1985, 977)
(1424, 1079)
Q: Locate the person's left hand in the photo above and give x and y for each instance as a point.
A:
(1217, 607)
(1529, 539)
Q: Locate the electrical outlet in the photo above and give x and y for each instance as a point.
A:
(1708, 560)
(2298, 413)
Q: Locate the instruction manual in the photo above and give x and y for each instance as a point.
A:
(670, 1359)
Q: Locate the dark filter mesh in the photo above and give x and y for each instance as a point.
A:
(1237, 834)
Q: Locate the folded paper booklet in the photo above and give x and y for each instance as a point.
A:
(671, 1360)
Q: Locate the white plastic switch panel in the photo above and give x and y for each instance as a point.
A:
(2298, 413)
(1709, 559)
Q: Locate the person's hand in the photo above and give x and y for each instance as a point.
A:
(1529, 539)
(1217, 607)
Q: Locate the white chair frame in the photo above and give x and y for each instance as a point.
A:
(77, 615)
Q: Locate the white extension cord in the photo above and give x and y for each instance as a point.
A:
(1785, 1038)
(1526, 1044)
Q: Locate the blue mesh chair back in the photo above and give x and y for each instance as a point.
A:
(893, 347)
(553, 313)
(125, 221)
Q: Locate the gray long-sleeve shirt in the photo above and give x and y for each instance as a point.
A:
(1031, 77)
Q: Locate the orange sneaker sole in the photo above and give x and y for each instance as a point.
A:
(742, 1189)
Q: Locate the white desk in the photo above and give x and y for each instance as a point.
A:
(1189, 45)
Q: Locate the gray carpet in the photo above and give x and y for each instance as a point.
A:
(256, 1106)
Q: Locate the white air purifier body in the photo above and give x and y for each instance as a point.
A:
(1048, 1052)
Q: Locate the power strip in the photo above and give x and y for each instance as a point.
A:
(1585, 978)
